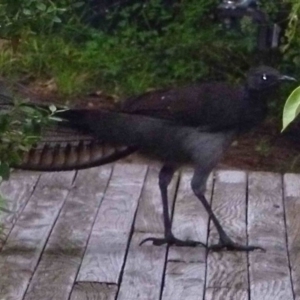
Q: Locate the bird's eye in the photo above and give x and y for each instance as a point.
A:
(264, 77)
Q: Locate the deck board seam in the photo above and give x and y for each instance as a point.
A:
(208, 233)
(286, 237)
(172, 210)
(247, 236)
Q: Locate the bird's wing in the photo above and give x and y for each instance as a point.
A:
(170, 104)
(195, 105)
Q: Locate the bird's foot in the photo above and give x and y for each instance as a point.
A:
(172, 241)
(228, 244)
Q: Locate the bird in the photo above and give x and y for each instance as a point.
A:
(194, 125)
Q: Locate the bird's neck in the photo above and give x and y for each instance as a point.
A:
(255, 108)
(262, 94)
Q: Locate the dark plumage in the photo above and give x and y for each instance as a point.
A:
(195, 124)
(215, 105)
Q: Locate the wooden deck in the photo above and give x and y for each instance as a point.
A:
(76, 236)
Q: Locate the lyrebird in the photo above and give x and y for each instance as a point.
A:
(195, 125)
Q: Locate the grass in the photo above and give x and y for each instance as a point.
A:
(160, 47)
(135, 56)
(48, 57)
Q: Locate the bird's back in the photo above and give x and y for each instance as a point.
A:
(216, 105)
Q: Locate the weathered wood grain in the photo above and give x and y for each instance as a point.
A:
(143, 270)
(16, 193)
(54, 271)
(292, 209)
(269, 272)
(227, 271)
(61, 259)
(106, 249)
(26, 241)
(185, 272)
(227, 293)
(184, 280)
(94, 291)
(144, 266)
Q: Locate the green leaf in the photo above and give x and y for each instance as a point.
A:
(56, 119)
(78, 4)
(26, 12)
(291, 108)
(4, 171)
(24, 148)
(41, 6)
(28, 110)
(56, 19)
(52, 108)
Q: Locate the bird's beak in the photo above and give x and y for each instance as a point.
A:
(287, 78)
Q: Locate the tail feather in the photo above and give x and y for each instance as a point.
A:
(66, 145)
(66, 157)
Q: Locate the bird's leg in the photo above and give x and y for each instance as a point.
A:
(165, 177)
(225, 242)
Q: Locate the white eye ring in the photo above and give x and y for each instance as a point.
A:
(264, 77)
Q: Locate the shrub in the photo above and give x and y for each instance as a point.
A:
(143, 46)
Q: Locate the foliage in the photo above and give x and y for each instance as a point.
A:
(20, 129)
(292, 56)
(19, 18)
(160, 46)
(142, 46)
(291, 47)
(292, 108)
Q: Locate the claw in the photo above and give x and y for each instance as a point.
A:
(172, 241)
(156, 242)
(231, 246)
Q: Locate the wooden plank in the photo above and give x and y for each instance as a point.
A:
(269, 271)
(60, 262)
(106, 249)
(184, 279)
(143, 270)
(26, 241)
(292, 209)
(94, 291)
(16, 193)
(185, 272)
(144, 266)
(226, 293)
(227, 271)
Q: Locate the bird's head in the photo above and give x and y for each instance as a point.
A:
(263, 78)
